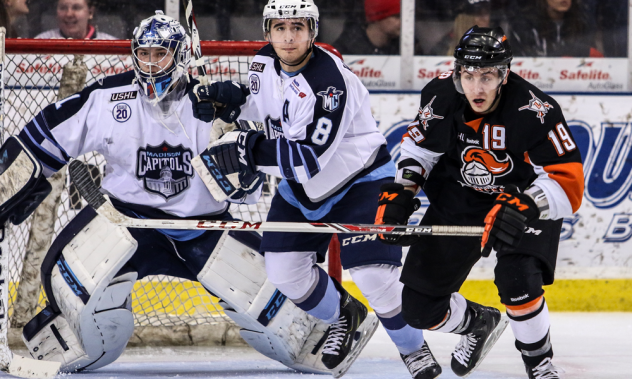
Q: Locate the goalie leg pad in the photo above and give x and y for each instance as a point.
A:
(272, 325)
(95, 306)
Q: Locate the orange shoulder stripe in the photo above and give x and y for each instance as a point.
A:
(571, 177)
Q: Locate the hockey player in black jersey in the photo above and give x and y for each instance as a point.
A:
(487, 148)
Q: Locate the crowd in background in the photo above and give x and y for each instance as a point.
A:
(542, 28)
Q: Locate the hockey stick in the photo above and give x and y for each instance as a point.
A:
(80, 176)
(195, 37)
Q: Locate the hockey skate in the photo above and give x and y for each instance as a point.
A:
(486, 327)
(422, 364)
(545, 370)
(344, 340)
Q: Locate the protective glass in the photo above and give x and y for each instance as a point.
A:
(289, 30)
(475, 79)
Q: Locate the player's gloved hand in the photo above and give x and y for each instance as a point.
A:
(249, 183)
(218, 99)
(233, 152)
(395, 206)
(505, 224)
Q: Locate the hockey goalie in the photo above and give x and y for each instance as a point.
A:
(143, 124)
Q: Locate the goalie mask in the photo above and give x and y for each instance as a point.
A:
(303, 11)
(161, 52)
(482, 51)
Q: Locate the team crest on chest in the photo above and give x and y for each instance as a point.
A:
(426, 114)
(538, 106)
(481, 168)
(165, 170)
(331, 98)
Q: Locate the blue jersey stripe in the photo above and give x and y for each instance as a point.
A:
(50, 137)
(310, 160)
(278, 148)
(48, 159)
(291, 156)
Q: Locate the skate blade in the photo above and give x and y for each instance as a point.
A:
(491, 341)
(30, 368)
(366, 330)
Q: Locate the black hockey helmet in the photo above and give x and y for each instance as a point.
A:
(483, 47)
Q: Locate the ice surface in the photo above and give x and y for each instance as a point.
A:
(586, 345)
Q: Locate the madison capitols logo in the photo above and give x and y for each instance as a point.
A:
(165, 169)
(426, 114)
(538, 106)
(481, 168)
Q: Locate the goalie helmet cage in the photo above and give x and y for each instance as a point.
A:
(167, 310)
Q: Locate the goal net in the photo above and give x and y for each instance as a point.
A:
(35, 73)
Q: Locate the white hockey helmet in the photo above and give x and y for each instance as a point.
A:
(161, 31)
(291, 9)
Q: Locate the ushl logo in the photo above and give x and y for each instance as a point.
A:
(331, 98)
(538, 106)
(426, 114)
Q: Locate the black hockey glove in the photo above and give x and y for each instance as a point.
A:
(505, 224)
(395, 206)
(249, 183)
(218, 99)
(233, 152)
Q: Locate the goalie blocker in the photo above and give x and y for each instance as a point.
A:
(90, 270)
(22, 184)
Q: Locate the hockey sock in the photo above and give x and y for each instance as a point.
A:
(458, 317)
(323, 301)
(406, 338)
(530, 325)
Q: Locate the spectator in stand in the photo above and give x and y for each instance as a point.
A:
(74, 20)
(380, 34)
(553, 28)
(471, 13)
(9, 10)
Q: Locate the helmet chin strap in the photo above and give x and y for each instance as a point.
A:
(307, 54)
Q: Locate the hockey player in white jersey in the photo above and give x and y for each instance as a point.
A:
(322, 140)
(142, 123)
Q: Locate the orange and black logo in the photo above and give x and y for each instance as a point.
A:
(481, 168)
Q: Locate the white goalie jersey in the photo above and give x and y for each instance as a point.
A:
(148, 155)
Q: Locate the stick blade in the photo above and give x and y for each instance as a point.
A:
(80, 176)
(23, 367)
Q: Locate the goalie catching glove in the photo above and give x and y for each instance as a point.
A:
(505, 224)
(218, 100)
(395, 206)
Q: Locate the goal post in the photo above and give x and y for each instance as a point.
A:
(36, 72)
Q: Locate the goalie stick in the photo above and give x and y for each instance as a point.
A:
(80, 176)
